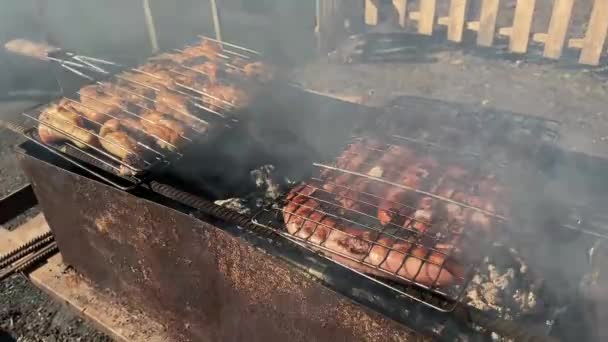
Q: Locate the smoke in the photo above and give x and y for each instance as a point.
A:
(294, 129)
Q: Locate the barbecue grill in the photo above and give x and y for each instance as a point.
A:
(209, 110)
(211, 272)
(142, 241)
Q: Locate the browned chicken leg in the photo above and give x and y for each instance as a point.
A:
(169, 132)
(118, 141)
(98, 105)
(67, 121)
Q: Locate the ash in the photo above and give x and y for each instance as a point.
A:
(269, 189)
(503, 286)
(264, 179)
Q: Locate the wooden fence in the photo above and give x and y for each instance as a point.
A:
(555, 38)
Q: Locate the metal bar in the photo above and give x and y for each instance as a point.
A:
(28, 261)
(150, 27)
(63, 65)
(219, 55)
(217, 25)
(16, 203)
(97, 60)
(90, 65)
(380, 180)
(231, 45)
(237, 54)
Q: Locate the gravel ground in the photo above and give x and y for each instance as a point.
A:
(575, 97)
(28, 315)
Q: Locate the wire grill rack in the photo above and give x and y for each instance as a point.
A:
(124, 99)
(410, 242)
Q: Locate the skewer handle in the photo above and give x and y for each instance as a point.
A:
(29, 48)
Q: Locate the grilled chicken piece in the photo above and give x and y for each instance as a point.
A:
(97, 105)
(207, 48)
(67, 121)
(169, 132)
(167, 74)
(118, 139)
(168, 99)
(413, 176)
(352, 160)
(225, 96)
(178, 58)
(128, 95)
(176, 106)
(210, 69)
(393, 158)
(259, 71)
(142, 80)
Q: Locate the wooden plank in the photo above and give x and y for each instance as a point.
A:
(595, 37)
(427, 17)
(522, 24)
(401, 8)
(540, 37)
(458, 12)
(473, 26)
(102, 309)
(558, 28)
(576, 43)
(371, 12)
(487, 22)
(10, 240)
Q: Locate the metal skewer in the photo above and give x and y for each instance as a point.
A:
(231, 45)
(445, 199)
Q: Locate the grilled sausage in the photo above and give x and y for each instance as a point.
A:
(351, 160)
(412, 177)
(350, 246)
(391, 159)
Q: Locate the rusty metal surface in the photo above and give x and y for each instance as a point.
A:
(199, 280)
